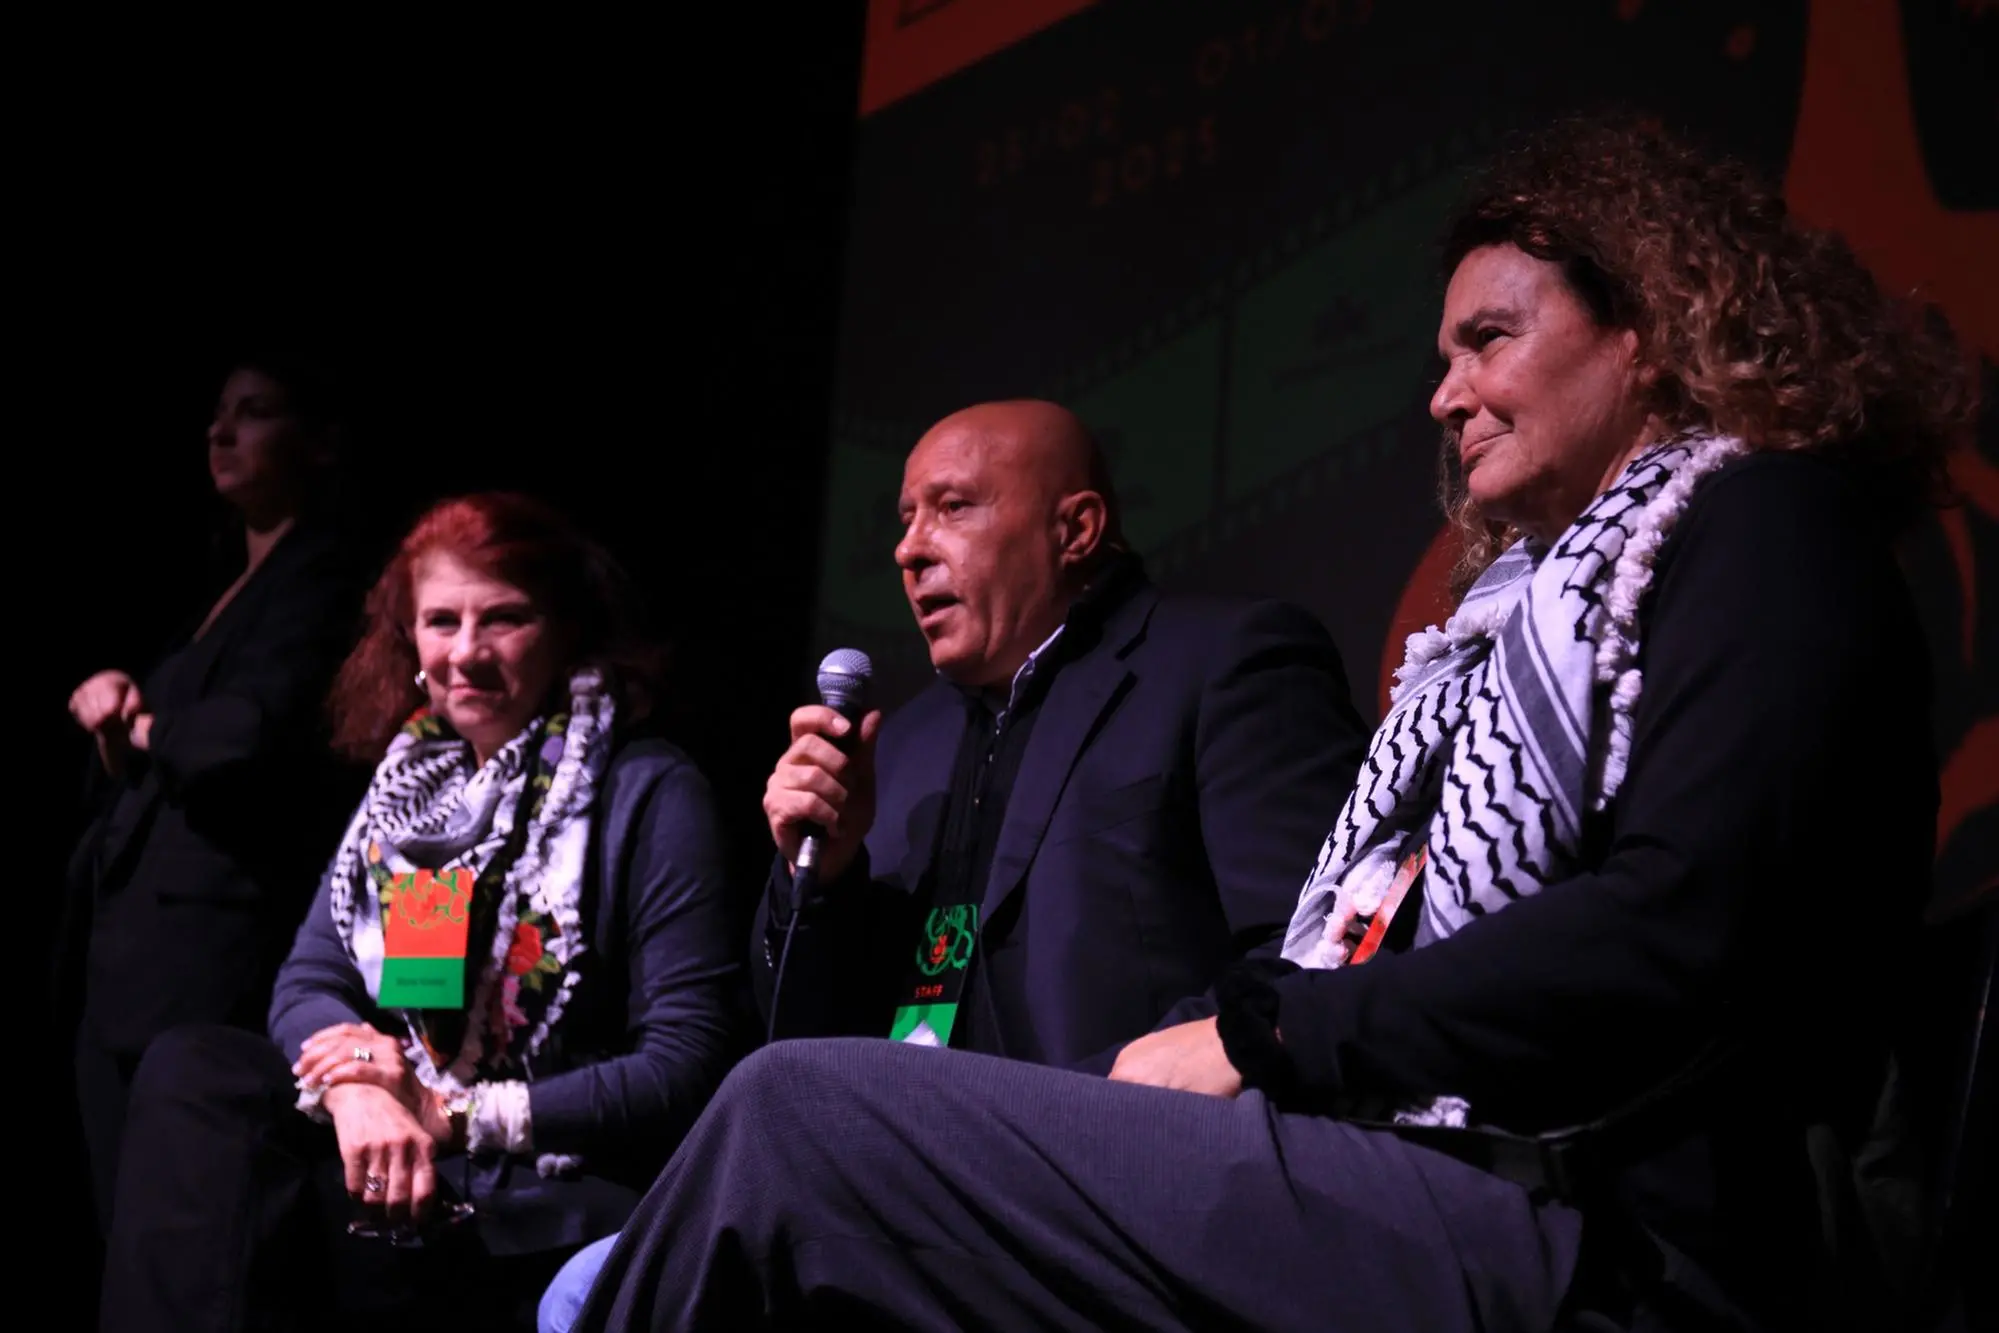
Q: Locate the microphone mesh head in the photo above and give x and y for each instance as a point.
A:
(843, 678)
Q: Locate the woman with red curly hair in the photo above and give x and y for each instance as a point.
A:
(514, 989)
(1632, 810)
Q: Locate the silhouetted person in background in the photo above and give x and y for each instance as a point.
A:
(216, 794)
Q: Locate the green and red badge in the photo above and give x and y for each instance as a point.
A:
(929, 1006)
(426, 921)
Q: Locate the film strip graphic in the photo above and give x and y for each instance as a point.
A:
(1321, 228)
(1221, 484)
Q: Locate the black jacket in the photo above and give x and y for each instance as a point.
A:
(200, 860)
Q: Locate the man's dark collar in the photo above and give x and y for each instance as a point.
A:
(1121, 575)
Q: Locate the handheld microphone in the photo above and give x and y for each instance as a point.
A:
(843, 687)
(843, 680)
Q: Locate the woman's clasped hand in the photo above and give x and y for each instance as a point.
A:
(390, 1127)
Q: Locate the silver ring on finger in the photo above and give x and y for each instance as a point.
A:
(374, 1184)
(364, 1055)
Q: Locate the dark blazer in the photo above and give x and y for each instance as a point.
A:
(1176, 787)
(649, 1031)
(195, 871)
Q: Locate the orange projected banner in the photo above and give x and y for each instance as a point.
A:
(913, 43)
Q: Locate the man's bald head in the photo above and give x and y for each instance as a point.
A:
(1007, 510)
(1045, 441)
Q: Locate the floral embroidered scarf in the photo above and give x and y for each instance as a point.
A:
(521, 824)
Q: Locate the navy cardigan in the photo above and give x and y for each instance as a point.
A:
(651, 1028)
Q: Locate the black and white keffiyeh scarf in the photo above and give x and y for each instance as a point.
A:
(431, 806)
(1507, 727)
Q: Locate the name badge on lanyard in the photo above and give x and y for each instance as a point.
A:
(426, 920)
(929, 1006)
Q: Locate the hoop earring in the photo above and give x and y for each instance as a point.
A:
(422, 679)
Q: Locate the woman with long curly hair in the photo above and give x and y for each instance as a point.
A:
(514, 989)
(1607, 863)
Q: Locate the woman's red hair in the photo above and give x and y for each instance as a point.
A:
(590, 603)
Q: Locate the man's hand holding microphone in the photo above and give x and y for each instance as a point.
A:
(820, 799)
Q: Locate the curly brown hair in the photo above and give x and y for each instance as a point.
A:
(1756, 325)
(589, 599)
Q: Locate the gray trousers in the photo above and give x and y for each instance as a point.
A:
(862, 1183)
